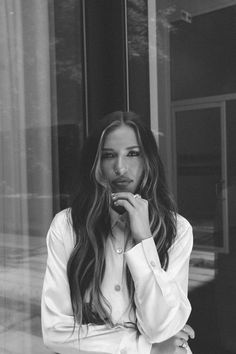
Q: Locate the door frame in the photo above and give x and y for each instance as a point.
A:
(201, 103)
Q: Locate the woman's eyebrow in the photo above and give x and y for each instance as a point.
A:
(133, 147)
(127, 148)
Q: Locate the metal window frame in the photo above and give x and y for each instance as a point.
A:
(203, 103)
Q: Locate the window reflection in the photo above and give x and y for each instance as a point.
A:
(25, 171)
(200, 147)
(39, 140)
(138, 65)
(203, 100)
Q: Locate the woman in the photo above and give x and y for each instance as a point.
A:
(118, 259)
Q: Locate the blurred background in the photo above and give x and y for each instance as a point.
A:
(66, 63)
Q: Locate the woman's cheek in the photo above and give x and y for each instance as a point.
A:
(107, 169)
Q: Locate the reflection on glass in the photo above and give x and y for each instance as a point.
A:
(25, 172)
(29, 160)
(138, 66)
(199, 173)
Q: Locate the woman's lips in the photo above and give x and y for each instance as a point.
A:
(121, 181)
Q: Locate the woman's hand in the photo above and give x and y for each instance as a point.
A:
(177, 344)
(137, 209)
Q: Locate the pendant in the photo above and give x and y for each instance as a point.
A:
(119, 250)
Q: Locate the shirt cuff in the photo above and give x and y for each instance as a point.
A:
(143, 261)
(142, 258)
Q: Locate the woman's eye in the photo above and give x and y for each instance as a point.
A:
(134, 153)
(107, 155)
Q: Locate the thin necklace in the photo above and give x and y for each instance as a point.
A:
(120, 249)
(117, 248)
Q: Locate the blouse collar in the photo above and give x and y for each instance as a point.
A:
(117, 219)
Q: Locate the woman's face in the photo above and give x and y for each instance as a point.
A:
(122, 162)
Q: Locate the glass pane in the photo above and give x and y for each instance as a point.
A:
(38, 140)
(199, 179)
(195, 72)
(26, 198)
(138, 67)
(105, 58)
(68, 128)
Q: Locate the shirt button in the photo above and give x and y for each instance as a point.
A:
(153, 264)
(117, 287)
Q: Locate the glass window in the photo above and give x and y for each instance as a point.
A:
(138, 57)
(205, 48)
(41, 130)
(69, 121)
(116, 55)
(200, 87)
(104, 55)
(201, 177)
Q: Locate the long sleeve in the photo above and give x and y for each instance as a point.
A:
(162, 305)
(56, 310)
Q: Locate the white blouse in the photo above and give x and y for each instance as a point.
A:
(162, 306)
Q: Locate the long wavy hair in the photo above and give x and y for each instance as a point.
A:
(91, 220)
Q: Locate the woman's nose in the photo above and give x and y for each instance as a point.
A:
(120, 167)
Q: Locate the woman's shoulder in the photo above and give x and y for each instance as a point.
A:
(60, 236)
(62, 218)
(182, 223)
(61, 226)
(184, 236)
(184, 230)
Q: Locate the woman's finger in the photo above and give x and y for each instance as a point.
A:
(124, 203)
(189, 330)
(134, 199)
(182, 346)
(180, 342)
(183, 335)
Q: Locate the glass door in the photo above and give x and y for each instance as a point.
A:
(200, 167)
